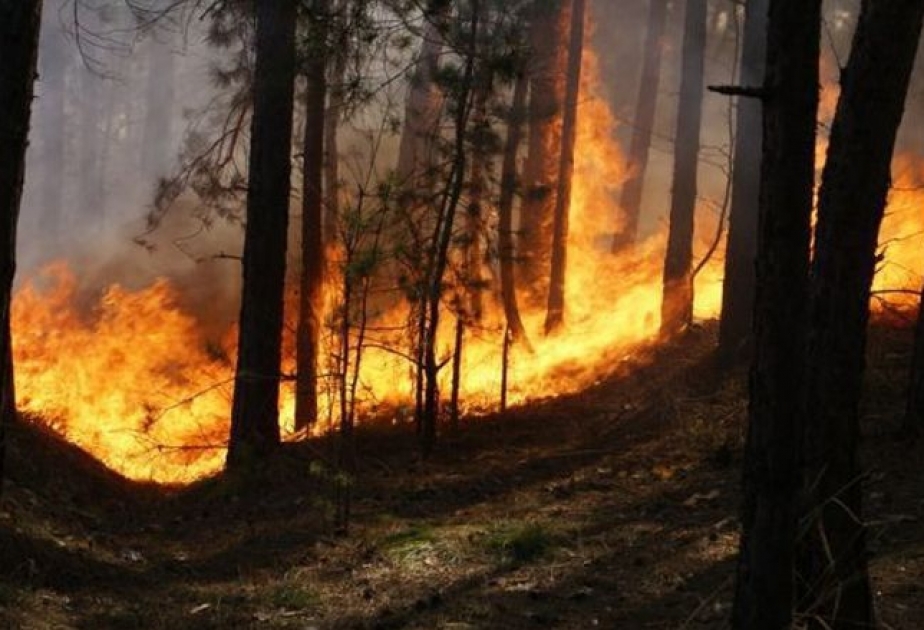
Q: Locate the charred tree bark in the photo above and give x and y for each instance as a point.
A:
(311, 280)
(556, 308)
(765, 586)
(454, 410)
(630, 199)
(738, 286)
(20, 23)
(508, 187)
(851, 203)
(546, 98)
(677, 306)
(255, 411)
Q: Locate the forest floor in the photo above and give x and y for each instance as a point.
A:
(613, 508)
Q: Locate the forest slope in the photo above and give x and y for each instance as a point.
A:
(614, 508)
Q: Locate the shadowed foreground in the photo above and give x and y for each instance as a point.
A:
(615, 508)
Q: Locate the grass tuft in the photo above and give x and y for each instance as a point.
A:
(293, 597)
(520, 543)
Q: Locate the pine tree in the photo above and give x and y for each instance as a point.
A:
(765, 587)
(630, 200)
(851, 204)
(255, 412)
(738, 287)
(20, 23)
(677, 307)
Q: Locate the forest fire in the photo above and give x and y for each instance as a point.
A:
(135, 381)
(351, 313)
(106, 379)
(898, 281)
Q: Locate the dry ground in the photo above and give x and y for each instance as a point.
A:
(615, 508)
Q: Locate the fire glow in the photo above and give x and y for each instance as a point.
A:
(136, 382)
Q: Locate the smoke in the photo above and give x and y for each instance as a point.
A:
(113, 103)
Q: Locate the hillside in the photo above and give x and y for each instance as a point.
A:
(614, 508)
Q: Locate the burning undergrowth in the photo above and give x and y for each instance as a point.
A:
(141, 374)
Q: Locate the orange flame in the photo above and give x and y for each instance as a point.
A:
(115, 380)
(135, 381)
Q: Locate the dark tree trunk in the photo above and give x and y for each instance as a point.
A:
(851, 203)
(454, 410)
(630, 200)
(255, 413)
(677, 307)
(311, 281)
(548, 35)
(914, 406)
(442, 238)
(764, 591)
(508, 186)
(556, 309)
(738, 286)
(20, 22)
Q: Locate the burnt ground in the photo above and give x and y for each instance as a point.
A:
(614, 508)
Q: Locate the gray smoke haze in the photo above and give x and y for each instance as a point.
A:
(111, 114)
(112, 106)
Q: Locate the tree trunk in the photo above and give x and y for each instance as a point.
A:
(20, 22)
(630, 200)
(677, 306)
(546, 97)
(442, 238)
(738, 286)
(454, 410)
(556, 309)
(311, 281)
(255, 412)
(851, 203)
(508, 186)
(764, 590)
